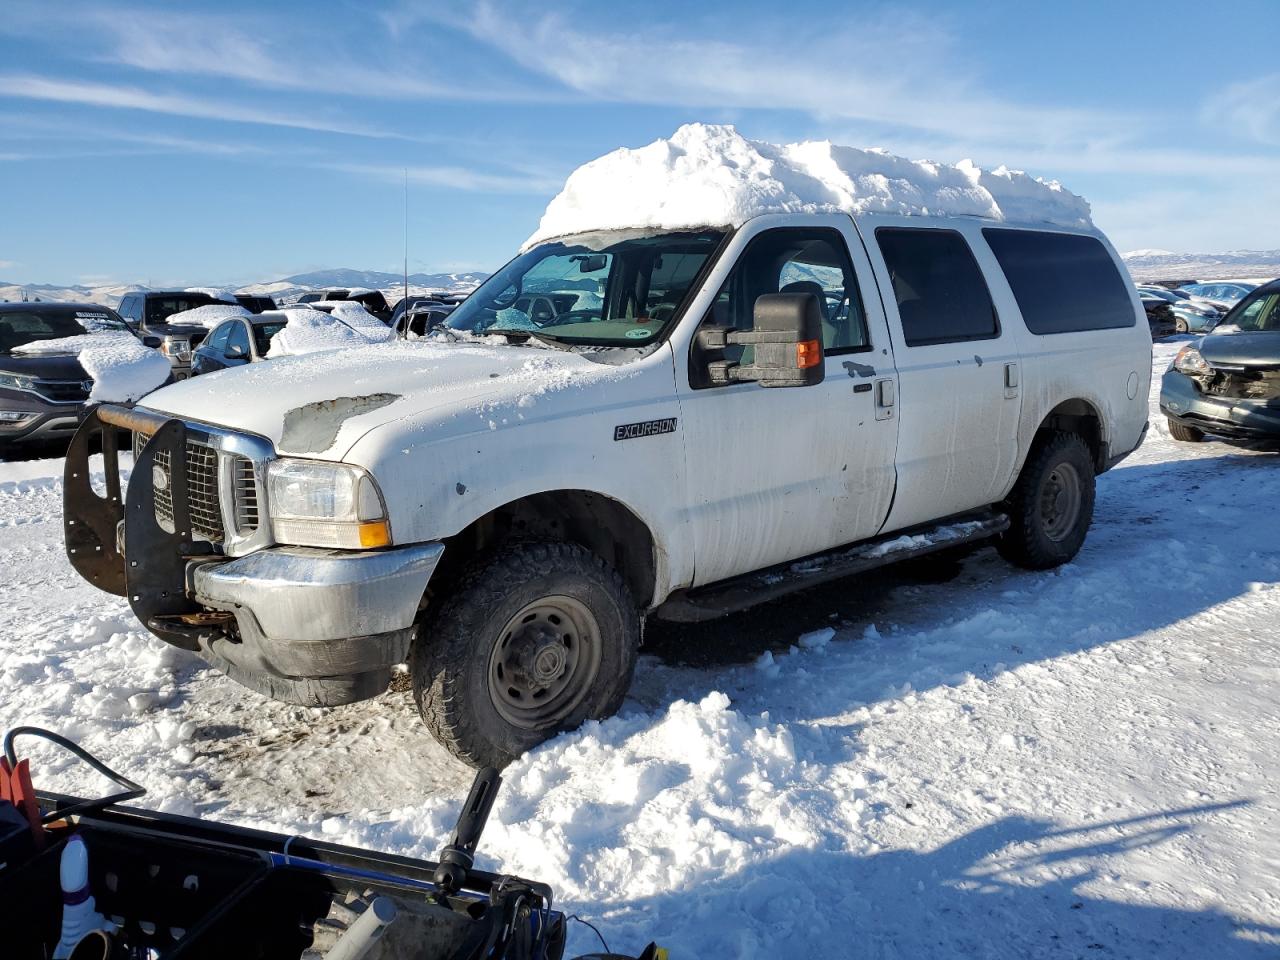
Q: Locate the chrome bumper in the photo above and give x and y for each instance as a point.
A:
(314, 595)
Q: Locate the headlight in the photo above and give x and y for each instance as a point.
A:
(318, 504)
(1189, 361)
(15, 381)
(178, 349)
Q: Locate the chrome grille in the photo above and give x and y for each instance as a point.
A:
(203, 503)
(244, 485)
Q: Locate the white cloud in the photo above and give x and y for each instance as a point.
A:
(1252, 107)
(7, 264)
(454, 178)
(29, 87)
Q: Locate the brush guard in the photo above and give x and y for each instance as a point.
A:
(151, 571)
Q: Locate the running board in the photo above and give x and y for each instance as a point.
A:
(739, 593)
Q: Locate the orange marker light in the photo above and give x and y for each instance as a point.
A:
(808, 354)
(376, 533)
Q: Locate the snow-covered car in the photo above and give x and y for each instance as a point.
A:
(48, 371)
(152, 312)
(1228, 383)
(755, 369)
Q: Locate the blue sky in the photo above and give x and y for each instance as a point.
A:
(233, 142)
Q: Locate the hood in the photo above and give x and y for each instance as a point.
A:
(320, 404)
(1244, 349)
(51, 366)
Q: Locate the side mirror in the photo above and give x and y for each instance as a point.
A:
(236, 352)
(787, 337)
(153, 342)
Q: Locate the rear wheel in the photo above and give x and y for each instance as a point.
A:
(533, 640)
(1184, 433)
(1051, 506)
(1180, 326)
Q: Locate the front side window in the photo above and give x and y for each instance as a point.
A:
(610, 289)
(1064, 283)
(795, 260)
(942, 296)
(217, 341)
(263, 334)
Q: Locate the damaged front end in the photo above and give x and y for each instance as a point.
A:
(1218, 388)
(190, 546)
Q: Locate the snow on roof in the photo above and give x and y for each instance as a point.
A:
(218, 293)
(309, 330)
(210, 315)
(711, 175)
(121, 368)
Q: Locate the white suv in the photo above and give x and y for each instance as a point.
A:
(619, 425)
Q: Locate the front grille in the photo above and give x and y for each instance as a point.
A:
(1245, 384)
(64, 391)
(203, 503)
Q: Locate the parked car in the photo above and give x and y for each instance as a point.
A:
(254, 303)
(1228, 383)
(1191, 314)
(372, 300)
(1229, 292)
(44, 396)
(149, 311)
(237, 341)
(419, 315)
(1160, 317)
(623, 458)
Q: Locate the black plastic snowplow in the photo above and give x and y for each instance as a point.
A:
(160, 886)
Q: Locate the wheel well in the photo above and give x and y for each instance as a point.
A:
(604, 526)
(1079, 417)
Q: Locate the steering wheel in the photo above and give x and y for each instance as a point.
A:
(570, 316)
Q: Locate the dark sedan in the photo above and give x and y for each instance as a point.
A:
(43, 395)
(1228, 383)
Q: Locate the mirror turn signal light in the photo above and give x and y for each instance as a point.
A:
(808, 354)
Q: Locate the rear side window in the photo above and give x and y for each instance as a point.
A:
(1063, 283)
(942, 296)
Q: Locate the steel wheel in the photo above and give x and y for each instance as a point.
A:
(544, 662)
(1060, 500)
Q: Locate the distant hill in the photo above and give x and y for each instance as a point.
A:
(284, 291)
(1232, 265)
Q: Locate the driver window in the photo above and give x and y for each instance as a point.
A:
(795, 260)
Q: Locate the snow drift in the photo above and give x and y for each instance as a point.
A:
(210, 315)
(310, 331)
(710, 175)
(121, 368)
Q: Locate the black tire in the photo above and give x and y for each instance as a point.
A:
(1180, 431)
(494, 646)
(1048, 523)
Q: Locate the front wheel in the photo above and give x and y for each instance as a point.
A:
(1184, 433)
(532, 640)
(1180, 326)
(1051, 506)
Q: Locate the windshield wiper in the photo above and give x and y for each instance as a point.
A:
(511, 333)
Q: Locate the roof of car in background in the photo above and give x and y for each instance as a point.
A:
(50, 305)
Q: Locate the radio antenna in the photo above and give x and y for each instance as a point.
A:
(405, 315)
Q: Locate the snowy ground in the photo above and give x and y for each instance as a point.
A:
(1001, 764)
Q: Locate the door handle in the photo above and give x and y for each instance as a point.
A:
(1010, 380)
(885, 399)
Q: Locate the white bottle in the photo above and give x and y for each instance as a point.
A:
(78, 914)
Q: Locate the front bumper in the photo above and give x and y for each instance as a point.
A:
(1182, 400)
(307, 613)
(45, 420)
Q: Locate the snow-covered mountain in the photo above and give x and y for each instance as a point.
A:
(285, 290)
(1232, 265)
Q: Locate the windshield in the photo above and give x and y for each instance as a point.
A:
(160, 309)
(18, 327)
(612, 290)
(1258, 311)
